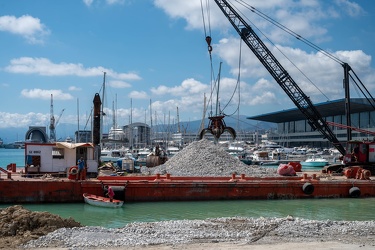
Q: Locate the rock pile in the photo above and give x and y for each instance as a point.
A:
(19, 225)
(237, 230)
(204, 158)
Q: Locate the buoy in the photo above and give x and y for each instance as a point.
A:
(308, 188)
(354, 192)
(366, 174)
(73, 170)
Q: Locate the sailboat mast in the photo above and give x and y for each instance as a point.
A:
(102, 111)
(131, 123)
(178, 122)
(78, 135)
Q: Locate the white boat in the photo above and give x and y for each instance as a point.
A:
(314, 161)
(113, 155)
(142, 157)
(101, 201)
(261, 156)
(172, 151)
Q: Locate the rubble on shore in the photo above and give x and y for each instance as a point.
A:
(19, 225)
(236, 230)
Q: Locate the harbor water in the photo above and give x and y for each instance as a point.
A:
(316, 209)
(8, 156)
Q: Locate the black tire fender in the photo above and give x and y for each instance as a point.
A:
(308, 188)
(354, 192)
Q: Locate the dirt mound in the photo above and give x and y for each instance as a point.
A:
(19, 225)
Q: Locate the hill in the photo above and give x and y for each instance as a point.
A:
(64, 130)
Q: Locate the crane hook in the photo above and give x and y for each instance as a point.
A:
(208, 40)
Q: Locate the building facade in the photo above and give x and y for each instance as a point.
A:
(138, 134)
(293, 129)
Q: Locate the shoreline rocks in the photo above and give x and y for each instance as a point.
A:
(238, 230)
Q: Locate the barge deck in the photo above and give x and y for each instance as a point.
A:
(18, 189)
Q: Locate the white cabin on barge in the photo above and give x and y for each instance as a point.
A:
(57, 158)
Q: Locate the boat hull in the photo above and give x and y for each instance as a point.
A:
(178, 188)
(314, 164)
(101, 201)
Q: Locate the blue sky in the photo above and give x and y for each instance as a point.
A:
(155, 50)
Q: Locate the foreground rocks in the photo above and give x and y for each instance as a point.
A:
(237, 230)
(21, 228)
(19, 225)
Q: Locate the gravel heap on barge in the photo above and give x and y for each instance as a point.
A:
(204, 158)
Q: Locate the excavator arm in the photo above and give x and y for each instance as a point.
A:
(280, 75)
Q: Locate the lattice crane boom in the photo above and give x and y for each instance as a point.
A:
(280, 75)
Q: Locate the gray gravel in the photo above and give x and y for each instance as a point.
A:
(204, 158)
(234, 229)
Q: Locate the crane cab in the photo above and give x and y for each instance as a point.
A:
(360, 152)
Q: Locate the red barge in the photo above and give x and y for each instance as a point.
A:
(17, 189)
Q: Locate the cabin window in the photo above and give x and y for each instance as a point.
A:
(57, 153)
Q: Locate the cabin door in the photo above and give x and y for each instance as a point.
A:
(81, 152)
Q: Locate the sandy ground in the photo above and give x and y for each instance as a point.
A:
(232, 246)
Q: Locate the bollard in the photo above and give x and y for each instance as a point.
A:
(304, 177)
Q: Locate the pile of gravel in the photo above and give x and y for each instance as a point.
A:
(233, 229)
(204, 158)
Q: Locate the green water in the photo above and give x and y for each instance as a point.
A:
(316, 209)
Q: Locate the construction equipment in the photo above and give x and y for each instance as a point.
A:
(216, 124)
(217, 127)
(360, 153)
(53, 122)
(281, 76)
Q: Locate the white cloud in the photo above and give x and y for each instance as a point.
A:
(118, 84)
(23, 120)
(138, 95)
(88, 2)
(74, 88)
(45, 94)
(113, 2)
(26, 26)
(109, 2)
(187, 87)
(43, 66)
(351, 8)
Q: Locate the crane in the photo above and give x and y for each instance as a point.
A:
(281, 76)
(53, 122)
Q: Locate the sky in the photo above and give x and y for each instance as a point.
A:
(154, 51)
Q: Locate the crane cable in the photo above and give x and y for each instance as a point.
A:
(237, 84)
(252, 9)
(369, 97)
(353, 76)
(289, 31)
(208, 39)
(213, 79)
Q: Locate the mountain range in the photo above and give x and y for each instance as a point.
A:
(64, 130)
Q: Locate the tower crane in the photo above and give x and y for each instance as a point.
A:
(53, 122)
